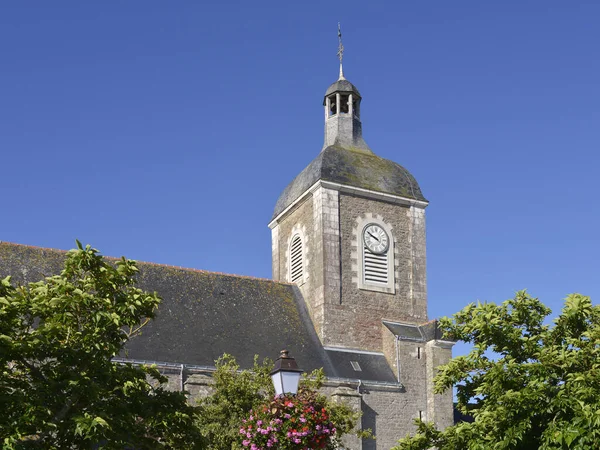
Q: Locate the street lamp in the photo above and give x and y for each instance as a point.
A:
(286, 374)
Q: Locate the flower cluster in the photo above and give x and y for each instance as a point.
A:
(289, 422)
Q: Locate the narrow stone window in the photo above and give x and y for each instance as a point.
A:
(355, 107)
(296, 260)
(418, 352)
(421, 415)
(344, 107)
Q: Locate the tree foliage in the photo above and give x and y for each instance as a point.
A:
(527, 385)
(59, 387)
(237, 393)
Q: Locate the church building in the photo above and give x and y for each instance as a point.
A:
(348, 294)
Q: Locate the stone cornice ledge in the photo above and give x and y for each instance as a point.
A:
(390, 198)
(357, 383)
(443, 343)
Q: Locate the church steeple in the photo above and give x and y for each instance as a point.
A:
(342, 111)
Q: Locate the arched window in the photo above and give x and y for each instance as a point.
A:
(296, 260)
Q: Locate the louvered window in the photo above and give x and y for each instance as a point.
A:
(375, 267)
(296, 260)
(375, 257)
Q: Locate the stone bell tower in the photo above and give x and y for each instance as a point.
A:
(327, 226)
(349, 230)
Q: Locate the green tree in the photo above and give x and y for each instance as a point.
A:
(236, 393)
(59, 387)
(526, 384)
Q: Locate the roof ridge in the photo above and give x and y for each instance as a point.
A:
(189, 269)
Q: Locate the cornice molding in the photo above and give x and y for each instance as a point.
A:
(381, 196)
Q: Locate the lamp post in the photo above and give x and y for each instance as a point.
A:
(286, 374)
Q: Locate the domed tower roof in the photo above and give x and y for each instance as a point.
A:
(346, 159)
(353, 168)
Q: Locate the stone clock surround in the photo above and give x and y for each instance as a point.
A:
(357, 255)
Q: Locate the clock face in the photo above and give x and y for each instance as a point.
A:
(376, 239)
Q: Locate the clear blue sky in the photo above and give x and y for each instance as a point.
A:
(165, 131)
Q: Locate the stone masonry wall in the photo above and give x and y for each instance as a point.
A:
(440, 406)
(301, 221)
(354, 320)
(325, 288)
(389, 415)
(388, 411)
(419, 262)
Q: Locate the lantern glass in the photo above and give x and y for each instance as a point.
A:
(285, 375)
(286, 382)
(277, 382)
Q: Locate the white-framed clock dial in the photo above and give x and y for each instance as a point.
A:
(376, 239)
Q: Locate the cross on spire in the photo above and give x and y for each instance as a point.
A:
(340, 52)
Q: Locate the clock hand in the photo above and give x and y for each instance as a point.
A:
(369, 233)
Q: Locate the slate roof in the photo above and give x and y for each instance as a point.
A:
(352, 168)
(342, 86)
(373, 367)
(423, 332)
(205, 314)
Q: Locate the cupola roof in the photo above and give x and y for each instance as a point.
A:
(342, 85)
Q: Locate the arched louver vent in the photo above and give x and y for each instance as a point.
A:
(375, 267)
(296, 264)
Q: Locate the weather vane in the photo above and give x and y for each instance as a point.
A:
(340, 52)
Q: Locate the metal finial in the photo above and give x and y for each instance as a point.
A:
(340, 52)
